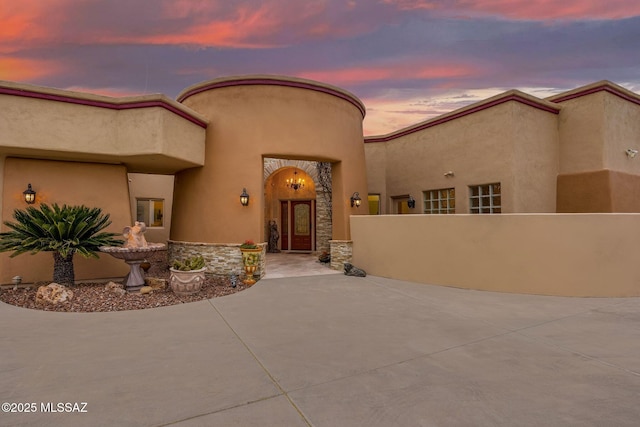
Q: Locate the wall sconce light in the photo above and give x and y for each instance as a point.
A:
(631, 153)
(449, 174)
(244, 198)
(356, 200)
(29, 195)
(411, 202)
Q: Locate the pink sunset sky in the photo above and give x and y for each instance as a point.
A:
(407, 60)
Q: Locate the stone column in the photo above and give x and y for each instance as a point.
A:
(341, 252)
(323, 223)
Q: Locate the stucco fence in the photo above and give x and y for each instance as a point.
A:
(583, 255)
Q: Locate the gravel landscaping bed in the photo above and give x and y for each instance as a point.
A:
(93, 297)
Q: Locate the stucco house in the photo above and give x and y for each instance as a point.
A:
(514, 153)
(296, 148)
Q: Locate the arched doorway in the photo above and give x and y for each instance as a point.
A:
(290, 202)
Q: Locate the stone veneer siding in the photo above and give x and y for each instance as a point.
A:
(341, 252)
(323, 223)
(221, 259)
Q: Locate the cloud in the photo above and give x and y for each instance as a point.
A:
(396, 71)
(239, 24)
(18, 69)
(400, 109)
(525, 9)
(27, 21)
(406, 59)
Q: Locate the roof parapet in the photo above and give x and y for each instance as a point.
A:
(101, 101)
(511, 95)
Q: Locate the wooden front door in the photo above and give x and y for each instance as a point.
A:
(297, 219)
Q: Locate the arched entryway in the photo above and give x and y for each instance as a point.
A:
(296, 201)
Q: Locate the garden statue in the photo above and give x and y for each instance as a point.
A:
(273, 237)
(134, 235)
(352, 270)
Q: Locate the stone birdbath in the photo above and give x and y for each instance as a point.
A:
(134, 252)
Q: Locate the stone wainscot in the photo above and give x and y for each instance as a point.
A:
(221, 259)
(341, 252)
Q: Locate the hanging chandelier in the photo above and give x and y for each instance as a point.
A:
(295, 183)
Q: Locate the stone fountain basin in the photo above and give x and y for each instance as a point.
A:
(134, 281)
(132, 254)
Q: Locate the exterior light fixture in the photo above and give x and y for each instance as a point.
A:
(295, 183)
(29, 195)
(631, 153)
(356, 200)
(411, 202)
(244, 198)
(449, 174)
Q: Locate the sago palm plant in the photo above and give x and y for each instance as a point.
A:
(65, 231)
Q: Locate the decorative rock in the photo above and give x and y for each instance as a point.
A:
(115, 288)
(53, 294)
(112, 285)
(156, 283)
(146, 290)
(351, 270)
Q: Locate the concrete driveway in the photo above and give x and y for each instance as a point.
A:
(330, 351)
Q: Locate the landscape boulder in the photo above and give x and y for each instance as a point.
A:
(115, 288)
(53, 294)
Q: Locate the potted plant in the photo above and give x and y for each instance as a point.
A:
(187, 275)
(250, 259)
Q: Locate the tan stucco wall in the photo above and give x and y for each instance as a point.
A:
(599, 191)
(581, 127)
(247, 123)
(548, 254)
(146, 139)
(150, 186)
(71, 183)
(585, 192)
(596, 174)
(621, 131)
(536, 159)
(595, 131)
(510, 143)
(376, 160)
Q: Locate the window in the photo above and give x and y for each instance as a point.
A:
(400, 204)
(374, 204)
(441, 201)
(150, 211)
(485, 199)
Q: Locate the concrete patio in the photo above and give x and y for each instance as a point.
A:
(331, 350)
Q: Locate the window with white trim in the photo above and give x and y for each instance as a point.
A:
(485, 199)
(442, 201)
(150, 211)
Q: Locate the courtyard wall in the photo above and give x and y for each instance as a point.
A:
(586, 255)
